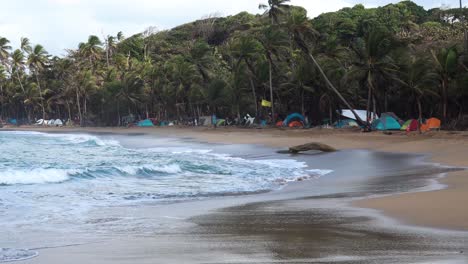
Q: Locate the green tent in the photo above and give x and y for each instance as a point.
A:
(386, 122)
(146, 123)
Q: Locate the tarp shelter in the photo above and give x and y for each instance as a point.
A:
(145, 123)
(386, 122)
(293, 117)
(13, 121)
(431, 124)
(410, 125)
(361, 113)
(345, 123)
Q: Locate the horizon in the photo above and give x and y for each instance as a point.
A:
(81, 18)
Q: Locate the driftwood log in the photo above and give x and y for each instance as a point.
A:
(311, 146)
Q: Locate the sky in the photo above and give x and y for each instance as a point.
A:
(62, 24)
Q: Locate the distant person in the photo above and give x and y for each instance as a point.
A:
(214, 120)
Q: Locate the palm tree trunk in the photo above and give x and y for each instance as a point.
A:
(333, 88)
(254, 96)
(118, 113)
(418, 102)
(69, 112)
(369, 98)
(270, 66)
(444, 99)
(19, 80)
(79, 107)
(40, 95)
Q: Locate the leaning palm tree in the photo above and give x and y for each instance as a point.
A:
(37, 60)
(274, 9)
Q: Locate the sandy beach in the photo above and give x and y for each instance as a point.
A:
(440, 209)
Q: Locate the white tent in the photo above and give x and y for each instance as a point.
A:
(58, 123)
(361, 113)
(40, 122)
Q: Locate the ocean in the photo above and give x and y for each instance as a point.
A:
(155, 197)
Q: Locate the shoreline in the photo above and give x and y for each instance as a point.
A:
(446, 148)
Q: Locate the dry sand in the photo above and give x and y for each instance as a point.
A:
(440, 209)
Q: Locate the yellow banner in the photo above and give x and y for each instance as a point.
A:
(266, 103)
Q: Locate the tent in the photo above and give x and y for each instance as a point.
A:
(13, 121)
(346, 123)
(410, 125)
(399, 120)
(386, 122)
(431, 124)
(296, 124)
(221, 122)
(40, 122)
(293, 117)
(361, 113)
(58, 123)
(146, 123)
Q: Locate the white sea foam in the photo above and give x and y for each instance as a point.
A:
(133, 170)
(34, 176)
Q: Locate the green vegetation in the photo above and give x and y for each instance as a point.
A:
(400, 58)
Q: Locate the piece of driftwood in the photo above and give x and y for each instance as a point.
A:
(311, 146)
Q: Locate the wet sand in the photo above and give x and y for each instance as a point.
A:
(301, 223)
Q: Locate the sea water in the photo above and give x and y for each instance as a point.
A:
(59, 177)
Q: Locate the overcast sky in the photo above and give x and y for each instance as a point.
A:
(61, 24)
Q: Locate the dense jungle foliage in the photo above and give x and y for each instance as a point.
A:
(397, 58)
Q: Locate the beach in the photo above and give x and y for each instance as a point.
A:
(303, 221)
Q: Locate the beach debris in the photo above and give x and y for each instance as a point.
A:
(311, 146)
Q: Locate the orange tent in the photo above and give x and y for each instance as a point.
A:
(431, 124)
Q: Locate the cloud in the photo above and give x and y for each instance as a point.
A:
(62, 24)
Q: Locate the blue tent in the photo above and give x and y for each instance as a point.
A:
(146, 123)
(13, 121)
(293, 117)
(386, 122)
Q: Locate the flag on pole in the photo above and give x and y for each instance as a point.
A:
(266, 103)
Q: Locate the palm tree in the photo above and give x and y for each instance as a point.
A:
(274, 9)
(301, 31)
(245, 49)
(418, 78)
(37, 60)
(26, 45)
(17, 65)
(373, 64)
(91, 50)
(273, 41)
(4, 50)
(446, 60)
(110, 46)
(184, 75)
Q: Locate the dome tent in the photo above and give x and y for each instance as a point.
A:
(386, 122)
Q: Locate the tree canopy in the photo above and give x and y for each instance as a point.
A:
(399, 58)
